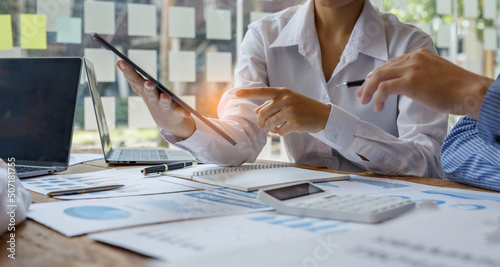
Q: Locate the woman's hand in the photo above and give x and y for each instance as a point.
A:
(287, 111)
(166, 113)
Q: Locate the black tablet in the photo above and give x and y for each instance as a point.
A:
(162, 88)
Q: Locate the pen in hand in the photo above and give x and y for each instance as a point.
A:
(165, 167)
(350, 84)
(83, 190)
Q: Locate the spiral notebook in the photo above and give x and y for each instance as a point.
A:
(251, 177)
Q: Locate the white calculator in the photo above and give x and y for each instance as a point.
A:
(306, 199)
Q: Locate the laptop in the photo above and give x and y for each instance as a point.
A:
(37, 111)
(126, 156)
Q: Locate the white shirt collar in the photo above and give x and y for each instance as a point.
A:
(368, 36)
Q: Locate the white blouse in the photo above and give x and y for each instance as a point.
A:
(282, 50)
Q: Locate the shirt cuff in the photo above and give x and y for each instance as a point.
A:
(339, 130)
(196, 142)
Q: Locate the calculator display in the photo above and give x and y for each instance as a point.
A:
(294, 191)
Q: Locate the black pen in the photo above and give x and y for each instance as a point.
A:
(165, 167)
(351, 84)
(84, 190)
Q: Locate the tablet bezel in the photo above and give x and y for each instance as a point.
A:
(160, 87)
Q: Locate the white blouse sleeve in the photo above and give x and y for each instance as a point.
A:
(415, 152)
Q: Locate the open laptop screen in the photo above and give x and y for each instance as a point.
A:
(37, 109)
(99, 110)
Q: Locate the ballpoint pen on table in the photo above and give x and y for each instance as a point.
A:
(350, 84)
(84, 190)
(165, 167)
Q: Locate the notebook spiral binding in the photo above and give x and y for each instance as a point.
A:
(241, 168)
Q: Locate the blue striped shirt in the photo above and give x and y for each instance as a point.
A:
(471, 152)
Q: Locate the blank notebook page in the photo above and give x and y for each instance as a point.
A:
(254, 176)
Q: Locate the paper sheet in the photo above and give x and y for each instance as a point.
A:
(182, 66)
(145, 59)
(187, 182)
(379, 4)
(6, 42)
(426, 27)
(181, 22)
(53, 9)
(400, 5)
(108, 102)
(370, 185)
(77, 158)
(471, 9)
(490, 39)
(490, 9)
(219, 24)
(69, 30)
(423, 238)
(254, 16)
(444, 36)
(179, 241)
(104, 63)
(138, 114)
(33, 33)
(78, 217)
(452, 221)
(443, 7)
(14, 52)
(135, 184)
(99, 17)
(219, 66)
(141, 20)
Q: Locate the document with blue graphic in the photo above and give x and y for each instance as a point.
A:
(78, 217)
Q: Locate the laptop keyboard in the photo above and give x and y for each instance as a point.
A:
(24, 169)
(152, 154)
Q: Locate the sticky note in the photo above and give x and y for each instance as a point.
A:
(489, 9)
(138, 114)
(219, 67)
(142, 20)
(104, 63)
(108, 104)
(53, 9)
(182, 66)
(400, 4)
(6, 42)
(443, 7)
(471, 8)
(33, 34)
(490, 39)
(219, 24)
(146, 60)
(181, 22)
(254, 16)
(14, 52)
(69, 30)
(378, 3)
(426, 27)
(99, 17)
(189, 99)
(443, 36)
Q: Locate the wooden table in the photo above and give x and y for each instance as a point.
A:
(37, 245)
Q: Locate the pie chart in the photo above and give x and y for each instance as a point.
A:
(97, 213)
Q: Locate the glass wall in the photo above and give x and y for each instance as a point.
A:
(191, 46)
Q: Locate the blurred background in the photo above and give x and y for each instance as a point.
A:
(191, 46)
